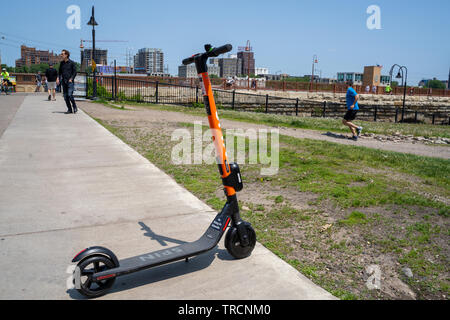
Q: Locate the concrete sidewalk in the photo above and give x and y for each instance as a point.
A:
(66, 183)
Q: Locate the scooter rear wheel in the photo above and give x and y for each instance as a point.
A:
(86, 286)
(233, 244)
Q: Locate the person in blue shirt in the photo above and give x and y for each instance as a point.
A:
(352, 109)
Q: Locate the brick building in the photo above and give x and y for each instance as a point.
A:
(30, 56)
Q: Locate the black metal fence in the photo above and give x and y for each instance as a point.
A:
(116, 88)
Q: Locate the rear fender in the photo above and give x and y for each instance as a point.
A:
(95, 251)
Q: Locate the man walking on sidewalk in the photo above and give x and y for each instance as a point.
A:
(352, 109)
(38, 82)
(51, 74)
(67, 74)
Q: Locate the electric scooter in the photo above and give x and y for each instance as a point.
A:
(98, 267)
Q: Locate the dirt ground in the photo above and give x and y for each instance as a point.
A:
(332, 254)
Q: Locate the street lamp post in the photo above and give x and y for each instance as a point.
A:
(312, 72)
(93, 23)
(403, 74)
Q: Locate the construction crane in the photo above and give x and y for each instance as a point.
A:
(247, 47)
(82, 45)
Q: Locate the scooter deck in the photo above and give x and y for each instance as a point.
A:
(152, 259)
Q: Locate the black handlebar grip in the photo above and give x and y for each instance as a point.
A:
(220, 50)
(188, 60)
(214, 52)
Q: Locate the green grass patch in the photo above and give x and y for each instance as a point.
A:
(356, 217)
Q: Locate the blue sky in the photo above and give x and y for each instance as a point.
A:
(284, 34)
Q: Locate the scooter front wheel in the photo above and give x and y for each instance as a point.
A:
(233, 243)
(87, 267)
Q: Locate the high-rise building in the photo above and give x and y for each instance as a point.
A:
(101, 57)
(248, 62)
(30, 56)
(230, 67)
(149, 61)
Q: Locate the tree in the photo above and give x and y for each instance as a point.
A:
(435, 84)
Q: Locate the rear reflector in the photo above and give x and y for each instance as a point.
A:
(106, 277)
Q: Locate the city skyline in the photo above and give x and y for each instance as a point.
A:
(284, 37)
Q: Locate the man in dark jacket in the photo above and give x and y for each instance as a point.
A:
(51, 74)
(67, 74)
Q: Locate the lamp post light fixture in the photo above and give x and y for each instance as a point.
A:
(93, 23)
(403, 74)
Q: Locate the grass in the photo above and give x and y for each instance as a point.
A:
(356, 217)
(348, 183)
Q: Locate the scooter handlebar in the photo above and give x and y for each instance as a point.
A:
(212, 52)
(220, 50)
(189, 60)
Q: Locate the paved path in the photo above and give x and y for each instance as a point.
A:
(66, 183)
(146, 114)
(9, 104)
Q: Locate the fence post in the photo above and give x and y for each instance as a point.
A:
(432, 118)
(114, 95)
(415, 117)
(296, 107)
(86, 86)
(375, 115)
(196, 94)
(396, 115)
(233, 99)
(267, 103)
(156, 93)
(324, 107)
(113, 80)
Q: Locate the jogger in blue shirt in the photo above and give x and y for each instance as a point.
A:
(352, 109)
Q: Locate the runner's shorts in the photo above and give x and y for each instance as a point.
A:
(350, 115)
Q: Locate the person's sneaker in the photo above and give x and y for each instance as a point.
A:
(49, 98)
(358, 130)
(355, 138)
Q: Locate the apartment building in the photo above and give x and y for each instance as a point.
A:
(149, 61)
